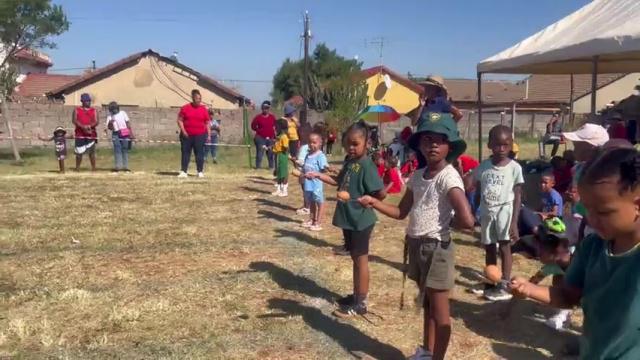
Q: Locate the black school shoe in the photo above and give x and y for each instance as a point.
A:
(346, 300)
(351, 310)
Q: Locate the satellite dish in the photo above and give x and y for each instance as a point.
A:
(387, 81)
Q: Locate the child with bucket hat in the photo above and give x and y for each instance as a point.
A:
(59, 139)
(435, 192)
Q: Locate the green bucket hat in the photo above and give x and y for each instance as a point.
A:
(439, 123)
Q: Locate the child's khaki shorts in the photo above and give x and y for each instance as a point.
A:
(431, 263)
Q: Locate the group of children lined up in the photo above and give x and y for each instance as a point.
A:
(601, 276)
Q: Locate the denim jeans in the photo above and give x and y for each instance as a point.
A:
(193, 143)
(120, 151)
(211, 148)
(260, 143)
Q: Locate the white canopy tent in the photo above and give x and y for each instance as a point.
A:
(601, 37)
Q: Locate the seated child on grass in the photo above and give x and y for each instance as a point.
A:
(391, 177)
(409, 167)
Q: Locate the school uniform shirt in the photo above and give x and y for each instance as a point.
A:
(281, 144)
(610, 299)
(315, 162)
(195, 119)
(551, 199)
(392, 176)
(496, 184)
(431, 212)
(292, 130)
(120, 120)
(358, 177)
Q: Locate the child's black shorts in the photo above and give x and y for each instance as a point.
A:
(357, 242)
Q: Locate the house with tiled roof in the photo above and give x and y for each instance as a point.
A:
(397, 91)
(147, 79)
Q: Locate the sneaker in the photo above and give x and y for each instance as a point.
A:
(421, 354)
(558, 320)
(303, 211)
(200, 174)
(182, 174)
(315, 227)
(277, 192)
(351, 310)
(346, 300)
(307, 224)
(497, 294)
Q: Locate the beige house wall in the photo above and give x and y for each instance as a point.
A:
(149, 83)
(615, 91)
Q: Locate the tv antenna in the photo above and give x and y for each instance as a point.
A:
(377, 42)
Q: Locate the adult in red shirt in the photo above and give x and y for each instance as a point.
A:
(264, 124)
(85, 120)
(193, 120)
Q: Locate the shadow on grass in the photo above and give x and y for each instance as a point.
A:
(347, 336)
(292, 282)
(262, 182)
(255, 190)
(267, 202)
(254, 177)
(461, 242)
(167, 173)
(303, 237)
(517, 329)
(506, 351)
(380, 260)
(274, 216)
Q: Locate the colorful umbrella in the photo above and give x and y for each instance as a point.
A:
(378, 114)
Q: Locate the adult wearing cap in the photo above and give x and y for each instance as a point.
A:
(434, 99)
(85, 120)
(121, 136)
(264, 124)
(292, 130)
(193, 121)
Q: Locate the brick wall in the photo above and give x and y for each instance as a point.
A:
(29, 120)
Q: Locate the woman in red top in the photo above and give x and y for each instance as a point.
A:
(264, 124)
(193, 120)
(85, 120)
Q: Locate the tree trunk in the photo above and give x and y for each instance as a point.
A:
(5, 114)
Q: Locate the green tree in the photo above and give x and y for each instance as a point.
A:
(24, 24)
(335, 85)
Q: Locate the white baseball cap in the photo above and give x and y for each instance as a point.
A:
(593, 134)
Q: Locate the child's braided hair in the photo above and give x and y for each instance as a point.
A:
(360, 126)
(625, 162)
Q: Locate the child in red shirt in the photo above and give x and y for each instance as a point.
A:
(391, 178)
(377, 159)
(409, 167)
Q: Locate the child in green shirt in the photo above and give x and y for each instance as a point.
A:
(604, 274)
(358, 177)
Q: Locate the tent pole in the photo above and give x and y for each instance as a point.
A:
(571, 94)
(480, 116)
(513, 120)
(594, 85)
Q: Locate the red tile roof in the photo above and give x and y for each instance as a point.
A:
(37, 85)
(33, 56)
(393, 75)
(118, 65)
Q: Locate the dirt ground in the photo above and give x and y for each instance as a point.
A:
(144, 265)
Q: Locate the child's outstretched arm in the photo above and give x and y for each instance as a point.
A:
(464, 218)
(44, 138)
(327, 179)
(562, 296)
(395, 212)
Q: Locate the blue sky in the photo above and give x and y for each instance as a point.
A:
(248, 40)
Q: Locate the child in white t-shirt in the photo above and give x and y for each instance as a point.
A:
(435, 192)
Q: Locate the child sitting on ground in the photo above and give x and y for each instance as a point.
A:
(555, 253)
(315, 161)
(59, 138)
(434, 194)
(358, 177)
(499, 182)
(391, 177)
(409, 167)
(604, 274)
(378, 160)
(281, 152)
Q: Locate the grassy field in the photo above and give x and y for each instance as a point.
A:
(144, 265)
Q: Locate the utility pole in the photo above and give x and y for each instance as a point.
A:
(305, 77)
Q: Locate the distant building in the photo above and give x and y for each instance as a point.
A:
(398, 92)
(147, 79)
(27, 61)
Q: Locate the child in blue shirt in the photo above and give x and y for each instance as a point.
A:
(314, 162)
(604, 274)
